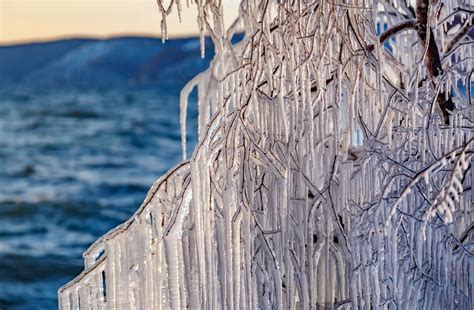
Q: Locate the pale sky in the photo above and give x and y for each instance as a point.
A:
(39, 20)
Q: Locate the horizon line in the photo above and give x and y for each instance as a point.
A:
(94, 37)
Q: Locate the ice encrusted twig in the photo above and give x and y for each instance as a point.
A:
(308, 142)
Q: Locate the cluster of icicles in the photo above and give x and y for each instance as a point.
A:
(324, 177)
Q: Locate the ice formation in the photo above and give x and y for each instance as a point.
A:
(334, 168)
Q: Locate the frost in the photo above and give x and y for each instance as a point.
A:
(333, 170)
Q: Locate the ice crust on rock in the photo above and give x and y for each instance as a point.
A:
(324, 177)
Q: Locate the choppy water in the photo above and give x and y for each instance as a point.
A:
(74, 164)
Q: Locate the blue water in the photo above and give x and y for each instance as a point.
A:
(74, 164)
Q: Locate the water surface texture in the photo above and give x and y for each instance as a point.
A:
(74, 164)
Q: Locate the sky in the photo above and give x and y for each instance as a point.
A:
(41, 20)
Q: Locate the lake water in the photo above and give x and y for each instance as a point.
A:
(73, 165)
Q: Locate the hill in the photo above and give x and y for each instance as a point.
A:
(115, 62)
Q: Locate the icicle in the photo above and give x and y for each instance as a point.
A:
(179, 9)
(183, 105)
(164, 29)
(284, 201)
(201, 25)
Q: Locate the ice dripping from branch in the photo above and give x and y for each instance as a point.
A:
(330, 171)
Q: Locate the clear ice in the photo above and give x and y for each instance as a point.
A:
(327, 174)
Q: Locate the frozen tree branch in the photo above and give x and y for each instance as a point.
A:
(322, 179)
(459, 36)
(432, 56)
(406, 25)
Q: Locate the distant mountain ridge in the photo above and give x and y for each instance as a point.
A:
(115, 62)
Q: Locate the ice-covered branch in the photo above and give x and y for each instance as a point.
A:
(432, 56)
(406, 25)
(319, 156)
